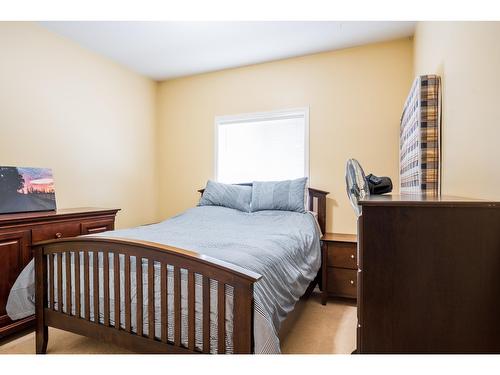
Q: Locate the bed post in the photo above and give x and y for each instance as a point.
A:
(320, 195)
(243, 319)
(42, 333)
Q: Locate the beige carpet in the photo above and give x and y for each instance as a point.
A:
(311, 329)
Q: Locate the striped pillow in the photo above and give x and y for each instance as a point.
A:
(225, 195)
(286, 195)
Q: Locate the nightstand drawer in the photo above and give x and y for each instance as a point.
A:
(342, 282)
(56, 230)
(342, 254)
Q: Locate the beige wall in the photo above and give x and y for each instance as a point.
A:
(89, 119)
(355, 98)
(467, 56)
(94, 122)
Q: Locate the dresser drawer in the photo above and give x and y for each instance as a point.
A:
(342, 282)
(55, 230)
(97, 226)
(342, 254)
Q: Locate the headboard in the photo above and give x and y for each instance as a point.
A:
(316, 202)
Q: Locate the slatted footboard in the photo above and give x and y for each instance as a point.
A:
(88, 286)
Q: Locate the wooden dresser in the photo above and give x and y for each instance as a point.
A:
(340, 257)
(429, 275)
(18, 232)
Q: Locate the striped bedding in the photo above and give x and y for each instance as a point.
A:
(282, 246)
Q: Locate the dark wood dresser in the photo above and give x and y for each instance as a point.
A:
(429, 275)
(341, 265)
(18, 232)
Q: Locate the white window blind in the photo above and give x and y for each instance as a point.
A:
(262, 146)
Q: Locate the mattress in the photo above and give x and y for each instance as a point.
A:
(420, 133)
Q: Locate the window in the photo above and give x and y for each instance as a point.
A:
(262, 146)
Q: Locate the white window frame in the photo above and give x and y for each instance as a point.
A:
(302, 112)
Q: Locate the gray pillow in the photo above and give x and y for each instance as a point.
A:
(225, 195)
(286, 195)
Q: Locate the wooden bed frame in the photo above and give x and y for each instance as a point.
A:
(226, 274)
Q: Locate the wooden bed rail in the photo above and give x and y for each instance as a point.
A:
(69, 303)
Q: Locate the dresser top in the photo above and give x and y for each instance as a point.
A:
(64, 212)
(422, 200)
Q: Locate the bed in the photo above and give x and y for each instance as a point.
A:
(228, 294)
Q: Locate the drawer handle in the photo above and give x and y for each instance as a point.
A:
(97, 229)
(352, 282)
(58, 235)
(352, 256)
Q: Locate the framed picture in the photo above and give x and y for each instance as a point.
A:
(26, 190)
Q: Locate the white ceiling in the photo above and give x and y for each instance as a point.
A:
(164, 50)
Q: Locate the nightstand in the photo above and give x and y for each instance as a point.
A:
(340, 266)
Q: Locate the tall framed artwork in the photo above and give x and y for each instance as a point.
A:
(420, 138)
(26, 190)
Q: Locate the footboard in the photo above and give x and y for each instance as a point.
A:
(86, 285)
